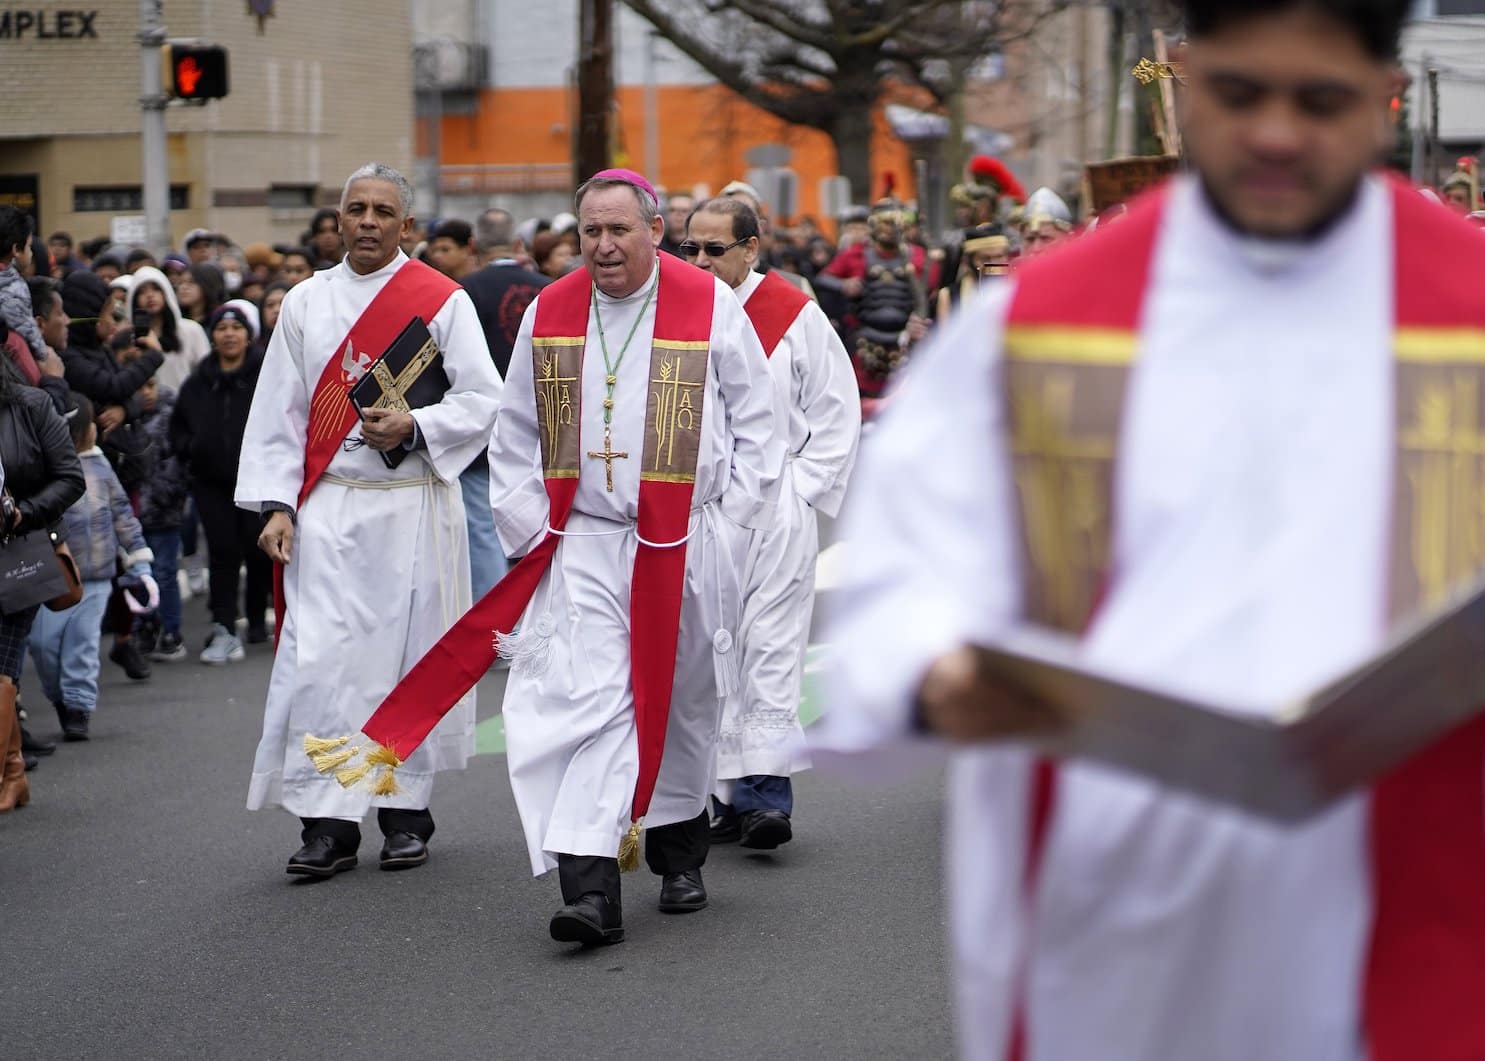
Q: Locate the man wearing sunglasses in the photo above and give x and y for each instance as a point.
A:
(1226, 445)
(761, 741)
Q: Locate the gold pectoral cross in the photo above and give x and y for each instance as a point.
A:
(608, 456)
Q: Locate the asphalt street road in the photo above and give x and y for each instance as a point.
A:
(145, 914)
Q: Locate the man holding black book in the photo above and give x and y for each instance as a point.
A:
(358, 481)
(1228, 443)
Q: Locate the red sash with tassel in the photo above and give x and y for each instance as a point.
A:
(415, 290)
(773, 308)
(461, 657)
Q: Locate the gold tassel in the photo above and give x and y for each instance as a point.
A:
(327, 761)
(381, 755)
(352, 776)
(319, 745)
(386, 783)
(629, 849)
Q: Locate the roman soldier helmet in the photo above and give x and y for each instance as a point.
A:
(1046, 205)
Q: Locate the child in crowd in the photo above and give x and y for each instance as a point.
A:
(101, 530)
(160, 501)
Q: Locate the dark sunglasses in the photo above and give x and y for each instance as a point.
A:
(713, 250)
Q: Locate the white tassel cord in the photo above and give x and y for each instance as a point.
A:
(529, 647)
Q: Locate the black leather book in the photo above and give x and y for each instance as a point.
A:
(408, 376)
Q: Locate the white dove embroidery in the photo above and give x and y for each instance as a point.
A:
(353, 365)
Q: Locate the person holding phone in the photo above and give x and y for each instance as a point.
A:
(153, 310)
(89, 364)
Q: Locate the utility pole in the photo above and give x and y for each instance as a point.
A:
(652, 108)
(595, 88)
(152, 99)
(1432, 176)
(1415, 115)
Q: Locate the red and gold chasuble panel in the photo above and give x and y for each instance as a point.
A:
(674, 410)
(557, 373)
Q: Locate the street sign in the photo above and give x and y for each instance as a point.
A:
(129, 230)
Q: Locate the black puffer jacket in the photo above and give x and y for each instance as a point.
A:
(42, 471)
(92, 370)
(210, 419)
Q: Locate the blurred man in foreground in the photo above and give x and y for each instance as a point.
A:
(1267, 350)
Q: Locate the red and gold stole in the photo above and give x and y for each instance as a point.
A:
(414, 290)
(1072, 339)
(673, 419)
(773, 308)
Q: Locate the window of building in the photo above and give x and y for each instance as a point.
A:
(122, 198)
(292, 196)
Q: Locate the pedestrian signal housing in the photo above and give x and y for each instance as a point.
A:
(195, 71)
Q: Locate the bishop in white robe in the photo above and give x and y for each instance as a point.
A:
(569, 705)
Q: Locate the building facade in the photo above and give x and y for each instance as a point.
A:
(316, 90)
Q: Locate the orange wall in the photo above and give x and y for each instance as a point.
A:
(705, 132)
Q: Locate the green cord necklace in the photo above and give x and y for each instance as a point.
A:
(611, 380)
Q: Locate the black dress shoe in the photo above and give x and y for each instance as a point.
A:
(682, 893)
(257, 634)
(75, 725)
(726, 827)
(321, 857)
(764, 830)
(594, 920)
(403, 851)
(35, 745)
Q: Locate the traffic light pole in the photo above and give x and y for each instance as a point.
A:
(152, 100)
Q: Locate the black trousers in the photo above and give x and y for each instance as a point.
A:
(668, 849)
(232, 540)
(390, 819)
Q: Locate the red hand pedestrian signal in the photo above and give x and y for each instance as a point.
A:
(194, 70)
(187, 75)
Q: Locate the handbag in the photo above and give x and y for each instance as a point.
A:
(74, 593)
(30, 573)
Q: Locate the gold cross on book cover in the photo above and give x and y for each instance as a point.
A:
(408, 375)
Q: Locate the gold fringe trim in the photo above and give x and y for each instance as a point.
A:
(327, 761)
(381, 755)
(353, 776)
(629, 849)
(319, 745)
(386, 783)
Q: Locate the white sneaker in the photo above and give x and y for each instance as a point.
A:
(224, 647)
(197, 581)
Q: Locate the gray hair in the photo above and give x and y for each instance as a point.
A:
(649, 208)
(493, 229)
(380, 171)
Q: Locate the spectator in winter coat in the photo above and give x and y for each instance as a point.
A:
(101, 529)
(162, 504)
(43, 476)
(181, 339)
(15, 297)
(206, 432)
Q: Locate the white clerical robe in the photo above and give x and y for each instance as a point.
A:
(761, 734)
(569, 709)
(1251, 510)
(380, 562)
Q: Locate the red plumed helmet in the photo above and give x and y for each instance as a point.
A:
(985, 168)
